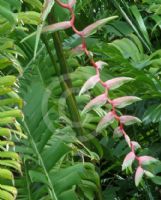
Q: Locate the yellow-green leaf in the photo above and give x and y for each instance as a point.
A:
(6, 174)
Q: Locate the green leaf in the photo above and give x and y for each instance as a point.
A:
(6, 195)
(11, 163)
(140, 21)
(34, 3)
(37, 177)
(29, 17)
(11, 155)
(11, 113)
(58, 149)
(6, 174)
(156, 180)
(8, 15)
(5, 132)
(7, 120)
(48, 4)
(11, 101)
(10, 189)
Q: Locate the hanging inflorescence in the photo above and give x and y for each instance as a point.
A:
(104, 98)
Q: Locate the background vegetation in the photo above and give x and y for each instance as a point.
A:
(56, 161)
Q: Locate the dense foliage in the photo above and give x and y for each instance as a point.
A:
(54, 150)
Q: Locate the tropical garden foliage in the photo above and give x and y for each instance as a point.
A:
(80, 103)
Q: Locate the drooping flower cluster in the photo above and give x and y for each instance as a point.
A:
(104, 98)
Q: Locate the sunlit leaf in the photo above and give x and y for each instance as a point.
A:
(6, 174)
(10, 189)
(6, 195)
(149, 174)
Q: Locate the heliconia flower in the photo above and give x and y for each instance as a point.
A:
(90, 83)
(71, 2)
(117, 82)
(129, 159)
(128, 120)
(77, 50)
(117, 133)
(139, 175)
(93, 27)
(105, 121)
(128, 140)
(98, 101)
(100, 64)
(57, 26)
(136, 145)
(146, 160)
(121, 102)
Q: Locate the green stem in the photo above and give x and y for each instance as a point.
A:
(45, 41)
(27, 180)
(60, 54)
(65, 81)
(52, 192)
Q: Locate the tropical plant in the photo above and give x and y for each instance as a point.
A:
(104, 98)
(10, 102)
(71, 82)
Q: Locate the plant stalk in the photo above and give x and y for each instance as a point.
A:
(65, 81)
